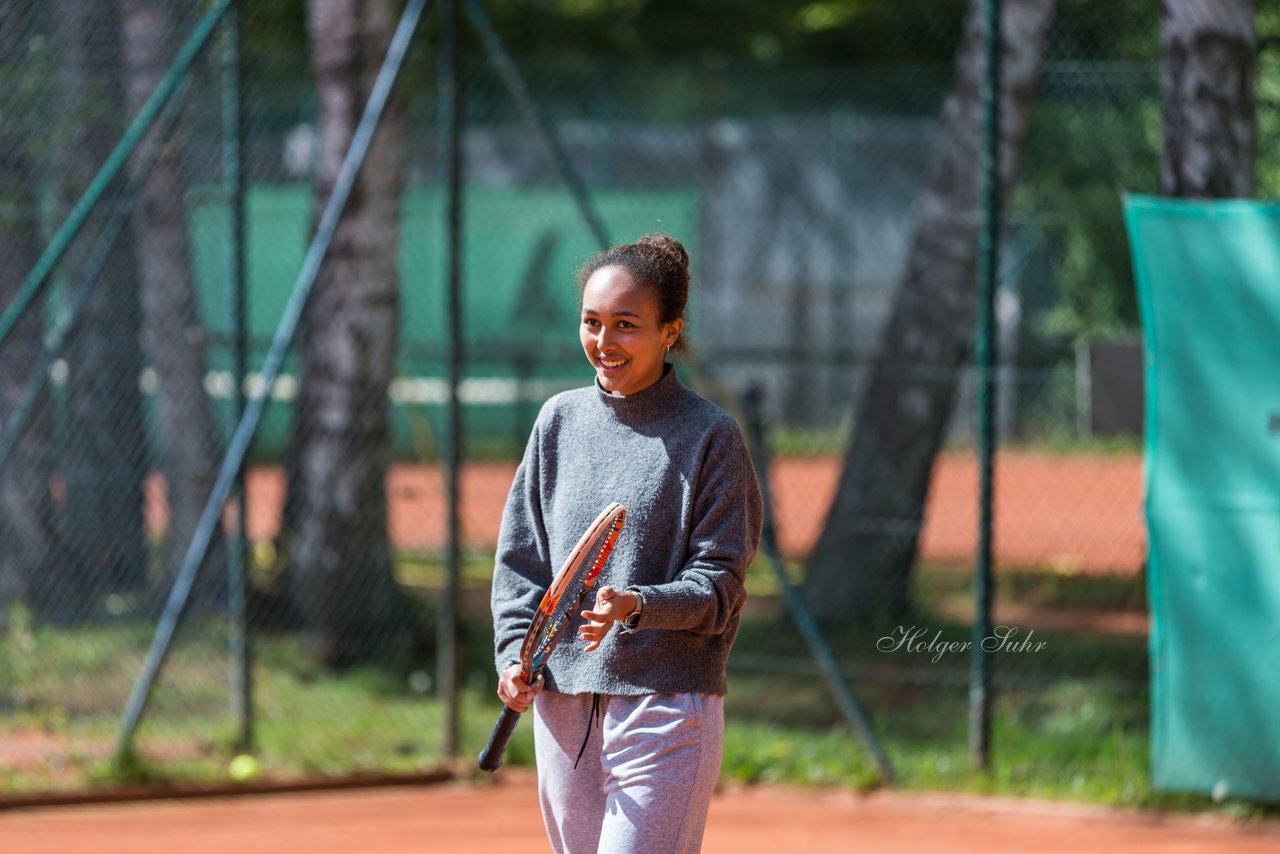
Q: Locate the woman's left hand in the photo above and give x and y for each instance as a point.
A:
(611, 605)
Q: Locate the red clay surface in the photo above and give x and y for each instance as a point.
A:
(1069, 513)
(1066, 512)
(505, 818)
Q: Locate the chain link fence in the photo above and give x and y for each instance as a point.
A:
(812, 199)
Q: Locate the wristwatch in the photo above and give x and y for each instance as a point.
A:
(634, 616)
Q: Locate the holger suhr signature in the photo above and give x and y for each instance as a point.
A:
(917, 639)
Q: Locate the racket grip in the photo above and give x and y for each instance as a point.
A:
(490, 759)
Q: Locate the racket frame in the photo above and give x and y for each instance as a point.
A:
(543, 634)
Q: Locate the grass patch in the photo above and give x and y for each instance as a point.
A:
(802, 442)
(1071, 720)
(1074, 741)
(1070, 741)
(426, 571)
(829, 441)
(951, 588)
(66, 689)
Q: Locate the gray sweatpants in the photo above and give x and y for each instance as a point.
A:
(645, 780)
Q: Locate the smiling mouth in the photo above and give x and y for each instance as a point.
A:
(611, 364)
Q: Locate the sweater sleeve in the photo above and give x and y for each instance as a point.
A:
(521, 563)
(727, 514)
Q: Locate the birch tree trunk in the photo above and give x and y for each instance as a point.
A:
(105, 463)
(862, 561)
(340, 577)
(174, 338)
(25, 501)
(1208, 75)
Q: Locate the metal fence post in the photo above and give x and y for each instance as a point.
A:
(233, 129)
(980, 699)
(451, 132)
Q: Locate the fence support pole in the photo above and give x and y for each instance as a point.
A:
(233, 129)
(161, 642)
(451, 130)
(980, 691)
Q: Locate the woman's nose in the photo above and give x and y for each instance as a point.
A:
(603, 337)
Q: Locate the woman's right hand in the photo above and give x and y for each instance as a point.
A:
(514, 692)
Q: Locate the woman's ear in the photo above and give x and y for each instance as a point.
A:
(673, 330)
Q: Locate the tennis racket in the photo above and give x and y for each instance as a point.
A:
(559, 605)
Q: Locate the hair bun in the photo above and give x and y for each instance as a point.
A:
(669, 246)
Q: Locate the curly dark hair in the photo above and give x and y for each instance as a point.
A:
(658, 261)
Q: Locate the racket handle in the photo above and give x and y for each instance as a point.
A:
(490, 759)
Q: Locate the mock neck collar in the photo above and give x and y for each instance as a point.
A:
(648, 402)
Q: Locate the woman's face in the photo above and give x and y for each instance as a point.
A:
(621, 333)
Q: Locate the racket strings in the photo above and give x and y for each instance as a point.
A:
(574, 592)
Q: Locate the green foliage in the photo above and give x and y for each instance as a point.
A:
(1085, 149)
(1087, 30)
(859, 32)
(1268, 94)
(850, 31)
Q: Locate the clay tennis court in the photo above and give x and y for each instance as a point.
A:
(1066, 512)
(1069, 513)
(504, 818)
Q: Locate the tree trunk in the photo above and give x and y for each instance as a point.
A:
(174, 338)
(862, 561)
(340, 580)
(1209, 70)
(25, 502)
(105, 463)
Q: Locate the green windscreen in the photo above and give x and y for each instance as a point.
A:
(521, 249)
(1208, 277)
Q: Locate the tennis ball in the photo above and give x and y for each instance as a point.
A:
(243, 768)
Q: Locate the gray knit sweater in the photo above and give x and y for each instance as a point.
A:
(679, 465)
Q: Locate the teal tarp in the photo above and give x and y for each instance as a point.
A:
(1208, 277)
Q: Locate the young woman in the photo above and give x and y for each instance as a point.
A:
(629, 722)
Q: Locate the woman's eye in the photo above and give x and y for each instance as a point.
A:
(626, 324)
(590, 321)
